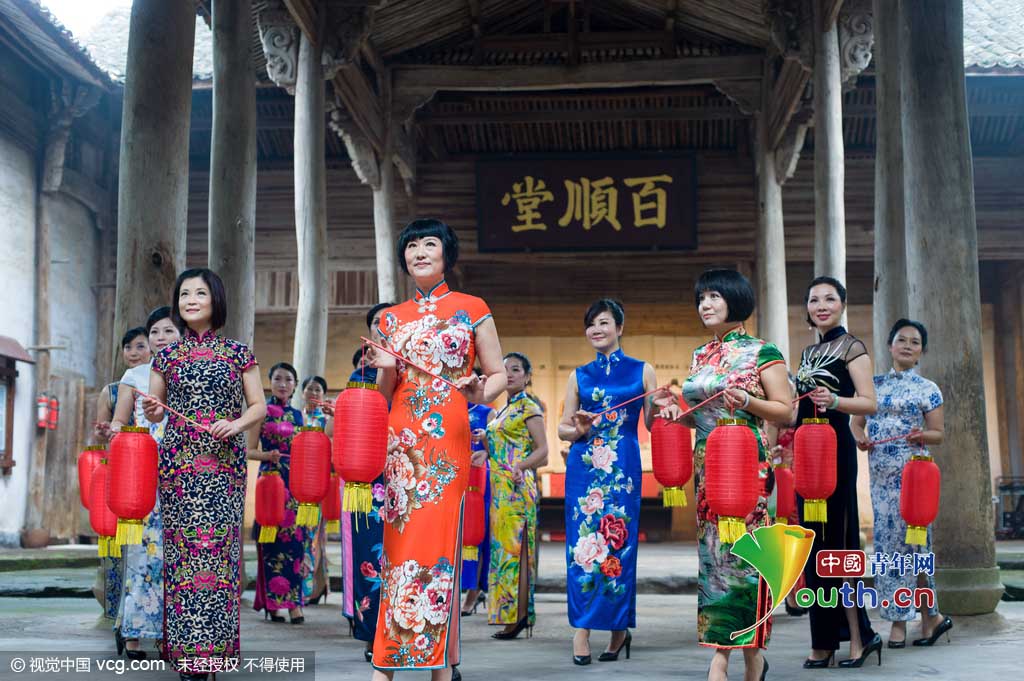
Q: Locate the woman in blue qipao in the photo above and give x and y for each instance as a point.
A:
(474, 572)
(907, 403)
(602, 483)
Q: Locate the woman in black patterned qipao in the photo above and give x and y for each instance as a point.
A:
(209, 379)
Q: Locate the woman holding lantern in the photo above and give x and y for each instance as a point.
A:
(427, 469)
(516, 446)
(316, 412)
(835, 379)
(207, 379)
(908, 404)
(141, 612)
(602, 483)
(282, 564)
(739, 377)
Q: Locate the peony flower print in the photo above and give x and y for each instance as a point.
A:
(590, 549)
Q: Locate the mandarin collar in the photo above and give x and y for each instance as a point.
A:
(732, 334)
(912, 371)
(833, 334)
(207, 335)
(606, 363)
(518, 396)
(273, 399)
(439, 291)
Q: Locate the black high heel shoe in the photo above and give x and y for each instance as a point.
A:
(368, 654)
(608, 656)
(943, 628)
(875, 646)
(820, 664)
(764, 669)
(509, 635)
(273, 618)
(119, 642)
(134, 654)
(482, 597)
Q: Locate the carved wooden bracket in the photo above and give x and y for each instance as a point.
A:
(67, 102)
(856, 39)
(280, 37)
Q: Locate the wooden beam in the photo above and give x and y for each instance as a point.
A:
(692, 113)
(785, 98)
(574, 30)
(830, 14)
(425, 80)
(305, 15)
(586, 40)
(478, 34)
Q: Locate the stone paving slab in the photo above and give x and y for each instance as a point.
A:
(664, 649)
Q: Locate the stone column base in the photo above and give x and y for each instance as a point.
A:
(968, 591)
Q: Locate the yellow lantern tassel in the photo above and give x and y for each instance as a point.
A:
(674, 496)
(815, 510)
(470, 553)
(358, 498)
(129, 532)
(268, 535)
(916, 534)
(730, 529)
(333, 526)
(101, 547)
(308, 515)
(113, 548)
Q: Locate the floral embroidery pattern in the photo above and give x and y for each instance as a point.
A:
(418, 606)
(412, 478)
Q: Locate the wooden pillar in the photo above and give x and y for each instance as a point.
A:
(310, 348)
(383, 222)
(890, 289)
(232, 213)
(772, 298)
(1009, 337)
(829, 211)
(943, 288)
(152, 193)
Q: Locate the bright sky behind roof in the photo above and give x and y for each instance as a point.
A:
(79, 16)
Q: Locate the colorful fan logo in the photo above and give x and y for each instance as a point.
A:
(779, 553)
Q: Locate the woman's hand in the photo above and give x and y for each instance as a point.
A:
(823, 398)
(864, 444)
(735, 399)
(152, 409)
(379, 359)
(224, 429)
(663, 397)
(672, 412)
(916, 436)
(582, 421)
(479, 458)
(517, 473)
(471, 387)
(326, 407)
(477, 436)
(101, 432)
(272, 456)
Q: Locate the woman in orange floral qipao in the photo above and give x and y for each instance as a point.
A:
(427, 469)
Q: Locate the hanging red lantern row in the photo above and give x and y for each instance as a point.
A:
(332, 504)
(731, 485)
(133, 479)
(102, 520)
(814, 459)
(785, 494)
(270, 501)
(88, 459)
(310, 473)
(360, 442)
(672, 458)
(919, 497)
(474, 514)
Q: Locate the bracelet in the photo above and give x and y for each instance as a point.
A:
(746, 401)
(835, 402)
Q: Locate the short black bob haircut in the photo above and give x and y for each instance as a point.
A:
(373, 311)
(314, 379)
(424, 227)
(609, 305)
(131, 334)
(904, 323)
(734, 288)
(162, 312)
(831, 281)
(218, 298)
(287, 367)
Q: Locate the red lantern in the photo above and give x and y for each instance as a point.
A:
(53, 413)
(474, 514)
(919, 497)
(672, 456)
(270, 501)
(87, 462)
(814, 458)
(785, 494)
(101, 518)
(310, 473)
(42, 410)
(133, 463)
(332, 504)
(360, 442)
(731, 486)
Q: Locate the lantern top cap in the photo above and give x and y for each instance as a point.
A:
(95, 448)
(732, 422)
(310, 429)
(270, 473)
(135, 429)
(922, 457)
(815, 422)
(360, 384)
